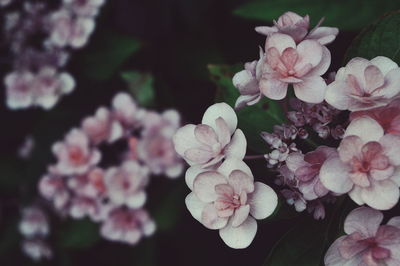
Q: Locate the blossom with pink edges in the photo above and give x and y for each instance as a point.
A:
(127, 226)
(126, 184)
(297, 27)
(75, 156)
(364, 84)
(229, 200)
(85, 8)
(366, 242)
(306, 169)
(387, 116)
(211, 141)
(300, 65)
(367, 165)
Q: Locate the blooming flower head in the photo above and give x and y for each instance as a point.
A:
(33, 223)
(126, 184)
(74, 155)
(367, 165)
(306, 170)
(228, 199)
(297, 27)
(300, 65)
(366, 241)
(364, 84)
(127, 226)
(212, 141)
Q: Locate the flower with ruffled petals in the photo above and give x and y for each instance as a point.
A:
(306, 170)
(228, 199)
(367, 166)
(364, 84)
(300, 65)
(366, 241)
(297, 27)
(212, 141)
(127, 226)
(126, 184)
(75, 156)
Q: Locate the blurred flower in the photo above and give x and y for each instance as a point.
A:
(33, 223)
(85, 8)
(37, 249)
(25, 150)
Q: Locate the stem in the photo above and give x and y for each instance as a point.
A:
(254, 157)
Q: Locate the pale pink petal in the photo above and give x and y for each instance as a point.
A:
(194, 205)
(333, 256)
(355, 195)
(279, 41)
(384, 64)
(382, 195)
(240, 215)
(311, 90)
(204, 185)
(240, 181)
(350, 147)
(198, 155)
(295, 160)
(324, 35)
(223, 133)
(205, 135)
(363, 220)
(324, 65)
(366, 128)
(222, 110)
(310, 52)
(391, 146)
(262, 201)
(192, 172)
(137, 200)
(351, 246)
(373, 78)
(337, 94)
(231, 164)
(273, 88)
(210, 218)
(244, 100)
(388, 235)
(239, 237)
(265, 30)
(356, 67)
(395, 221)
(245, 82)
(237, 147)
(185, 139)
(334, 175)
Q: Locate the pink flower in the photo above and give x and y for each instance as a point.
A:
(96, 209)
(86, 8)
(53, 188)
(210, 142)
(247, 82)
(37, 249)
(364, 84)
(298, 65)
(127, 226)
(126, 111)
(366, 241)
(297, 27)
(387, 116)
(306, 169)
(228, 199)
(102, 127)
(367, 165)
(126, 184)
(90, 184)
(74, 155)
(66, 30)
(33, 223)
(19, 92)
(155, 147)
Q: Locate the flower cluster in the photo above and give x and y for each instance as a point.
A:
(37, 78)
(224, 195)
(79, 186)
(34, 227)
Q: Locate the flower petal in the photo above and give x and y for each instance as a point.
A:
(192, 172)
(363, 220)
(240, 215)
(222, 110)
(337, 94)
(204, 185)
(384, 64)
(366, 128)
(241, 236)
(231, 164)
(273, 88)
(279, 41)
(194, 205)
(240, 181)
(311, 90)
(381, 195)
(395, 221)
(237, 147)
(262, 201)
(334, 175)
(310, 52)
(391, 146)
(210, 218)
(185, 139)
(205, 135)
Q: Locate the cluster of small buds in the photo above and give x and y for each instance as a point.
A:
(78, 186)
(34, 227)
(37, 78)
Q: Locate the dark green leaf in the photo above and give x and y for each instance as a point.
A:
(79, 234)
(380, 38)
(141, 86)
(337, 13)
(110, 51)
(252, 119)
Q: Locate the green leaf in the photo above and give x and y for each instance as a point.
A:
(141, 86)
(79, 234)
(337, 13)
(380, 38)
(252, 119)
(108, 52)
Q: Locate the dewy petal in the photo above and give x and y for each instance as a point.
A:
(381, 195)
(395, 221)
(195, 205)
(240, 215)
(205, 135)
(262, 201)
(384, 64)
(311, 90)
(240, 181)
(231, 164)
(210, 218)
(279, 41)
(391, 147)
(192, 173)
(222, 110)
(237, 147)
(273, 88)
(363, 220)
(366, 128)
(239, 237)
(204, 185)
(334, 175)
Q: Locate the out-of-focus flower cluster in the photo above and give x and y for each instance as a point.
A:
(41, 36)
(78, 185)
(34, 228)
